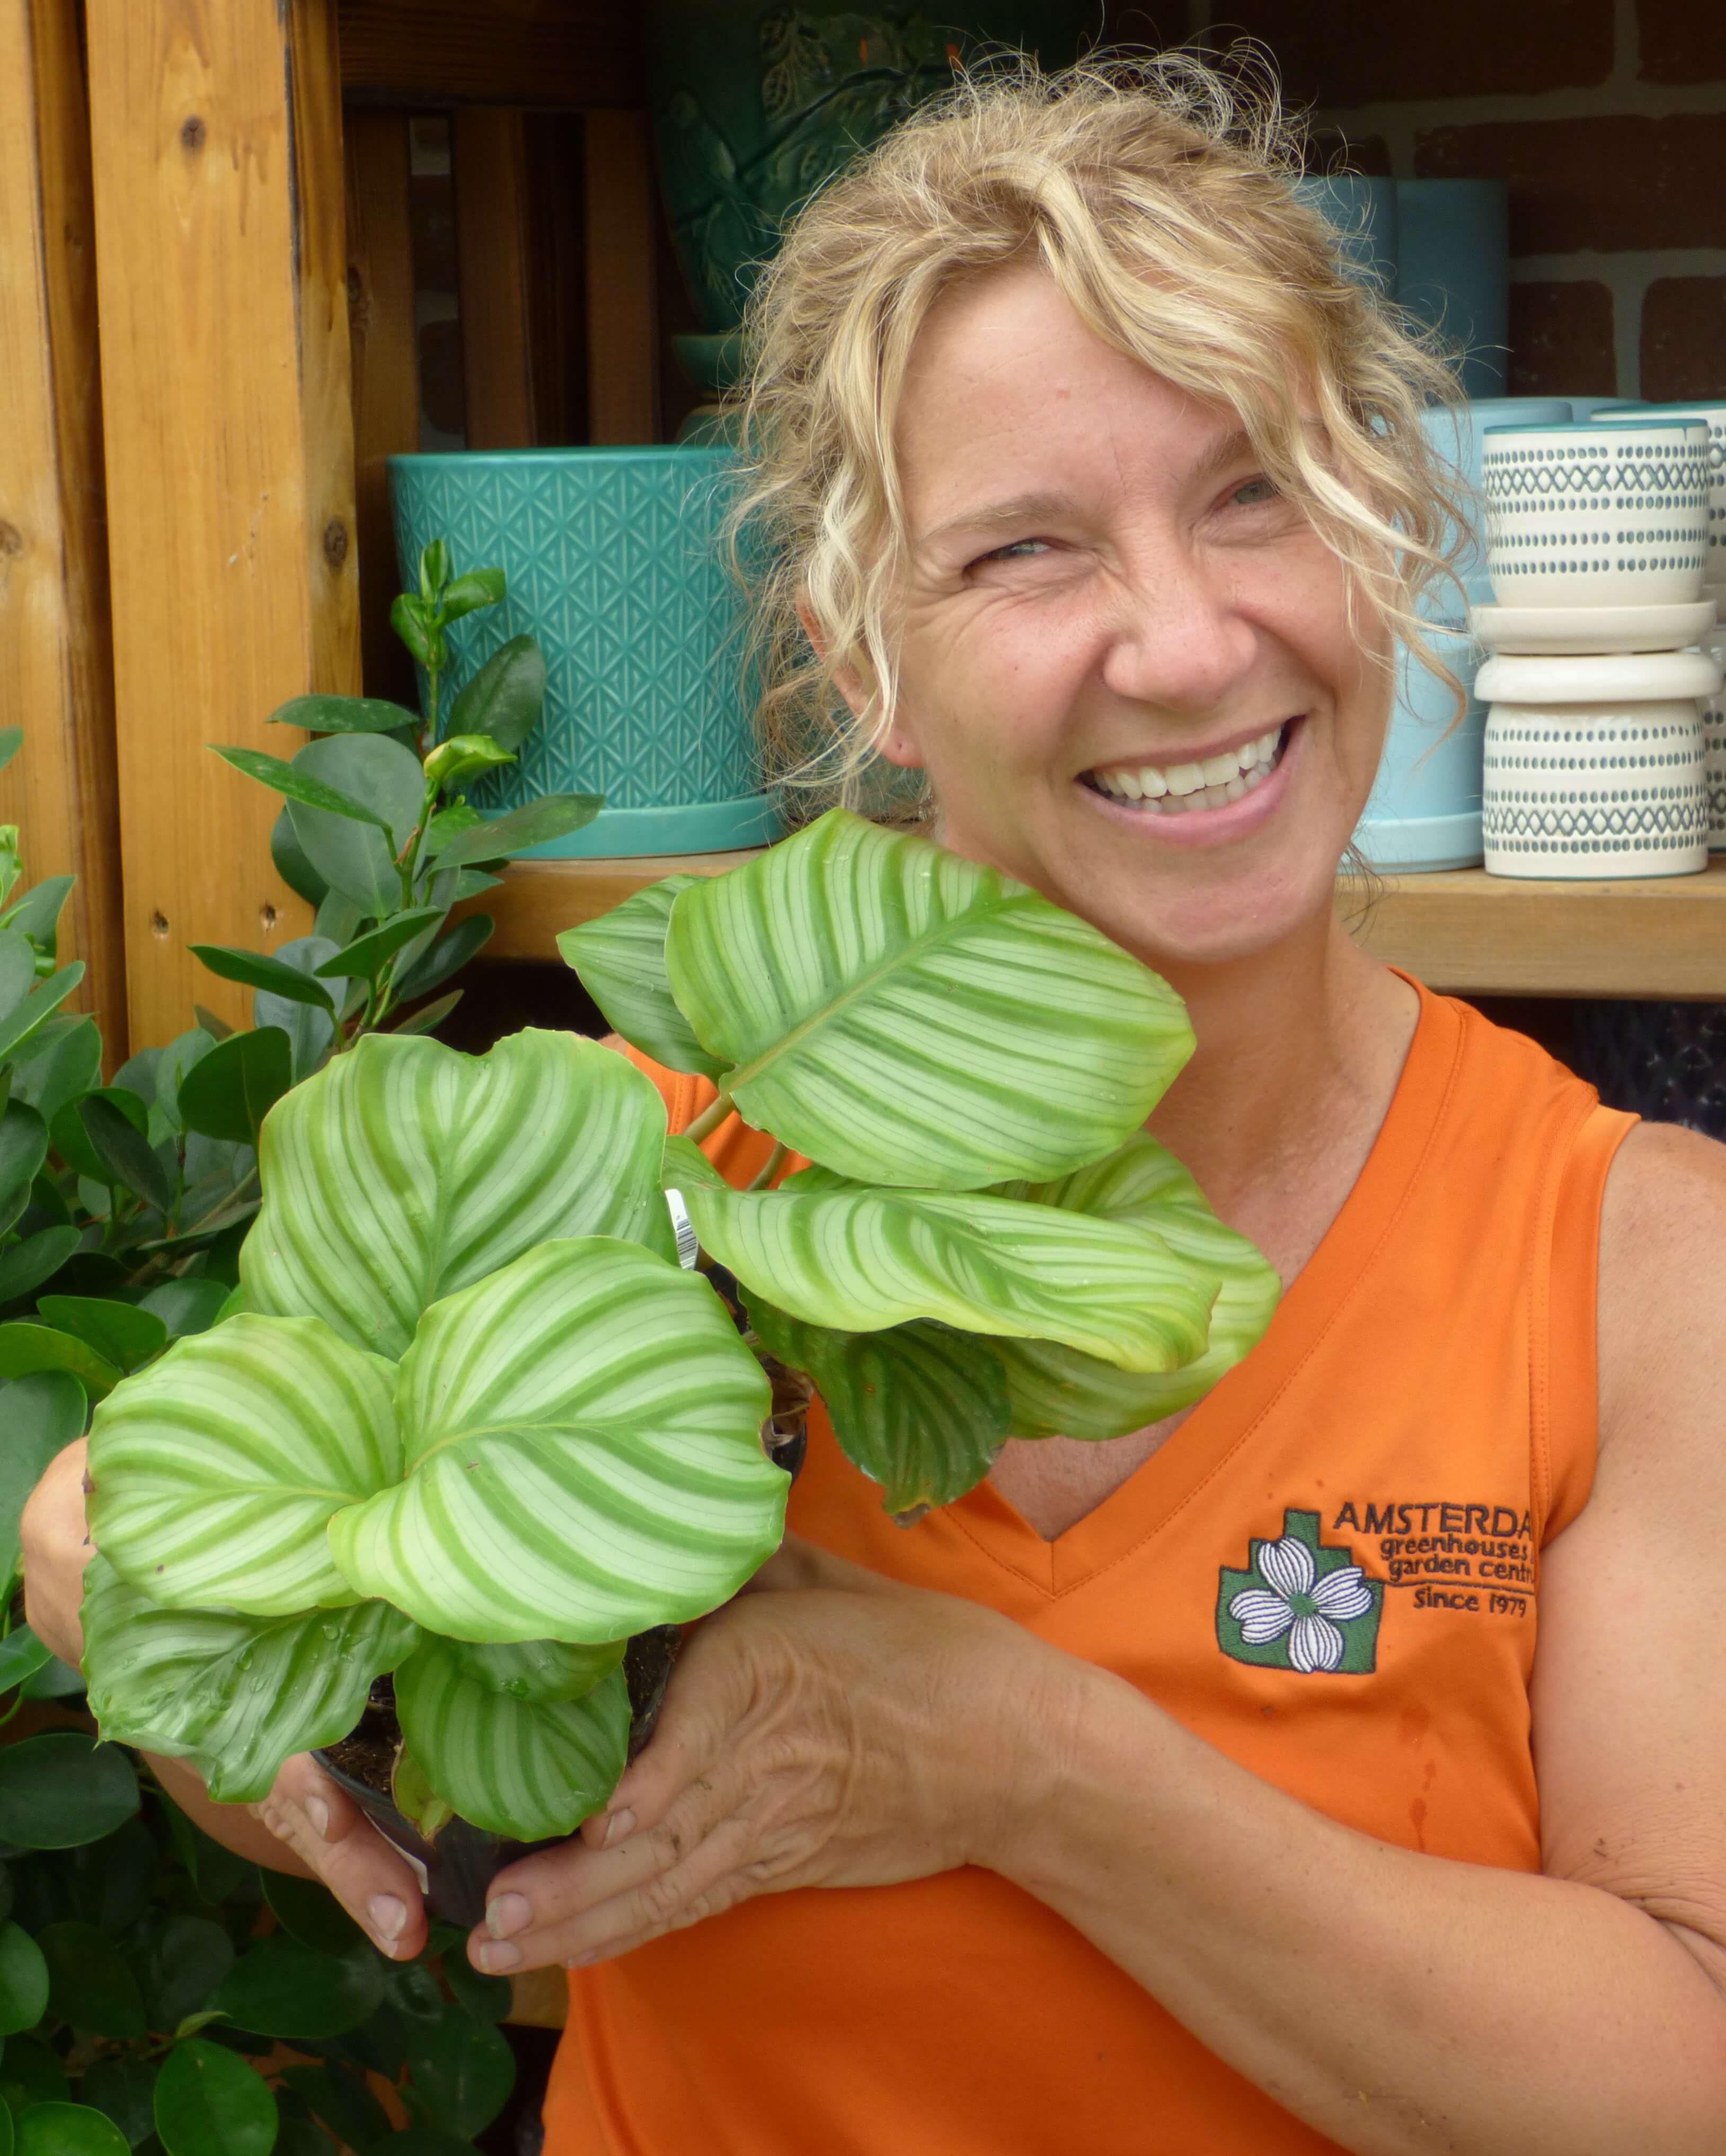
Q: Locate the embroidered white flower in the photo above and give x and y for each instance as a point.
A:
(1302, 1604)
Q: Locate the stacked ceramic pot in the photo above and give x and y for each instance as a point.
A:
(1596, 547)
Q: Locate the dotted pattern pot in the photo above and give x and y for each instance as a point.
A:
(1713, 744)
(1595, 790)
(1597, 515)
(1713, 417)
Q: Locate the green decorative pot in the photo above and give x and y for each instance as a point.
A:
(614, 565)
(755, 104)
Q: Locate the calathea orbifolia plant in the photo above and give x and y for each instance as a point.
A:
(377, 834)
(987, 1240)
(476, 1428)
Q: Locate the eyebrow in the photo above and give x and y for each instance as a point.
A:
(1016, 510)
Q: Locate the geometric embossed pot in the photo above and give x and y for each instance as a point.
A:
(614, 565)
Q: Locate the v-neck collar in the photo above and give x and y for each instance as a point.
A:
(1227, 1417)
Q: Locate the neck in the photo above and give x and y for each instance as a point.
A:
(1299, 1050)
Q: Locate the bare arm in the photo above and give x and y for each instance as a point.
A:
(1399, 2003)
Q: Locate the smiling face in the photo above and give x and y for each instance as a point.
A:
(1126, 662)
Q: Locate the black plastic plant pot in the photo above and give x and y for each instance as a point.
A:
(464, 1860)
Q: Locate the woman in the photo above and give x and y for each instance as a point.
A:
(1203, 1789)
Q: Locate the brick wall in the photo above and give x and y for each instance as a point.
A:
(1606, 117)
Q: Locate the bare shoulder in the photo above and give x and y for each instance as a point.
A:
(1663, 1281)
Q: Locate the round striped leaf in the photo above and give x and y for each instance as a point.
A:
(214, 1471)
(621, 960)
(907, 1017)
(538, 1669)
(859, 1261)
(581, 1438)
(920, 1409)
(532, 1768)
(235, 1694)
(1056, 1390)
(404, 1170)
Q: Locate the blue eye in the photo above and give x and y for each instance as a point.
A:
(1018, 550)
(1255, 491)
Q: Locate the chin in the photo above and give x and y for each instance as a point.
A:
(1224, 917)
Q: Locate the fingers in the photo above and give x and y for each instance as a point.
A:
(56, 1547)
(800, 1563)
(327, 1831)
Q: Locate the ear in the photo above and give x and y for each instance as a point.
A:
(898, 747)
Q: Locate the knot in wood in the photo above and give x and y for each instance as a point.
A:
(12, 540)
(193, 132)
(335, 542)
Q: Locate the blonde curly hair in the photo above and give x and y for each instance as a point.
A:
(1159, 194)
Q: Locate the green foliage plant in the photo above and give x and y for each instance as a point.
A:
(485, 1414)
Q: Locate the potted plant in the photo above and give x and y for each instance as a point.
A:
(482, 1418)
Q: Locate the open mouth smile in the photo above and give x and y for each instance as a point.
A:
(1182, 789)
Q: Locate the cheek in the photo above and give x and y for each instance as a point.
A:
(999, 679)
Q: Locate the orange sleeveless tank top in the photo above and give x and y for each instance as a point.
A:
(1423, 1407)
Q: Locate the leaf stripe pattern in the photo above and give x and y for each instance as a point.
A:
(212, 1481)
(862, 1260)
(581, 1434)
(909, 1018)
(404, 1170)
(1055, 1390)
(528, 1769)
(621, 960)
(236, 1694)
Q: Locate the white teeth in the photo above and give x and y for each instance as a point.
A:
(1211, 783)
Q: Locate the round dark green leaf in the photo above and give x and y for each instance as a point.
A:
(423, 2141)
(8, 1892)
(109, 1883)
(30, 2073)
(36, 1259)
(120, 1331)
(23, 1145)
(300, 2137)
(311, 1914)
(282, 1988)
(71, 1136)
(41, 1415)
(21, 1654)
(68, 2129)
(123, 2088)
(89, 1982)
(183, 1965)
(486, 1998)
(209, 2102)
(63, 1789)
(338, 2095)
(229, 1094)
(461, 2070)
(186, 1307)
(24, 1981)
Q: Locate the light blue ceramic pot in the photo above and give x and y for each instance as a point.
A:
(1425, 810)
(1585, 407)
(614, 565)
(1453, 269)
(1363, 213)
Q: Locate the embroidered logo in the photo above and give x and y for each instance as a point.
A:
(1302, 1604)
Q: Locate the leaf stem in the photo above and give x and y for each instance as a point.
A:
(762, 1179)
(709, 1120)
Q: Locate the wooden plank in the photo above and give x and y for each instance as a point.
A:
(490, 153)
(557, 53)
(1481, 935)
(216, 139)
(386, 372)
(56, 661)
(1466, 933)
(537, 900)
(623, 390)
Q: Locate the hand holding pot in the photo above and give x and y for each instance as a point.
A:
(829, 1729)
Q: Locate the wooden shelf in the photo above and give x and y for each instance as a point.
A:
(1464, 931)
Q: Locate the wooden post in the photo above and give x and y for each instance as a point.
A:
(217, 148)
(56, 666)
(490, 152)
(622, 405)
(386, 371)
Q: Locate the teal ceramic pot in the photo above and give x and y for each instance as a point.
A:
(1363, 214)
(756, 103)
(614, 565)
(1424, 811)
(1453, 269)
(1585, 407)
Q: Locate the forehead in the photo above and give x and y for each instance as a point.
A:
(1007, 386)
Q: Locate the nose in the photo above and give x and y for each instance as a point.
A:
(1177, 638)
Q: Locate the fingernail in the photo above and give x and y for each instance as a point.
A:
(620, 1825)
(507, 1915)
(497, 1955)
(388, 1916)
(318, 1812)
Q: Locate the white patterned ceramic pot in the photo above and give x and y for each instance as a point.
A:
(1713, 417)
(1596, 514)
(1713, 744)
(1596, 776)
